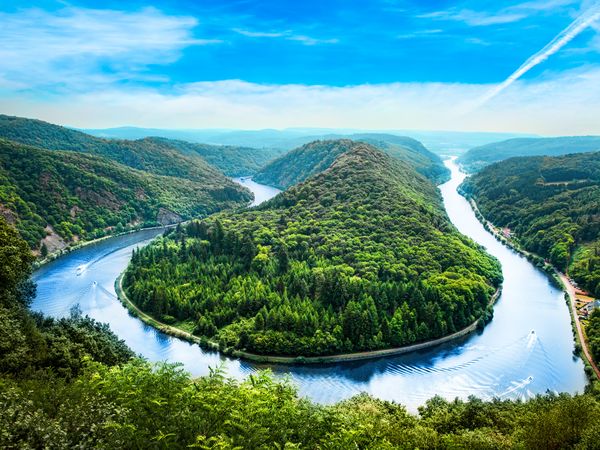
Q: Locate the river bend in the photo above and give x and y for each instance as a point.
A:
(527, 348)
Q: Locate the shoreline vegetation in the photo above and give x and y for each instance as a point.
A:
(581, 346)
(272, 359)
(81, 244)
(71, 383)
(359, 258)
(72, 246)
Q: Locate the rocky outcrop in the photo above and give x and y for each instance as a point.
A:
(52, 240)
(166, 217)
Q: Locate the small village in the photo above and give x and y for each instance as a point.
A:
(584, 303)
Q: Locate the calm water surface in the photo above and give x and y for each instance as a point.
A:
(527, 348)
(261, 192)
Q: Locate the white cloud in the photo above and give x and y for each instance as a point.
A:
(287, 35)
(70, 45)
(259, 34)
(514, 13)
(567, 103)
(544, 5)
(586, 20)
(475, 18)
(435, 32)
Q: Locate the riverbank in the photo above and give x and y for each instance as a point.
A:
(75, 246)
(70, 248)
(559, 278)
(344, 357)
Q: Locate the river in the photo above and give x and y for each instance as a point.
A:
(527, 348)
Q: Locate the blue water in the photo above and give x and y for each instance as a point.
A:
(526, 349)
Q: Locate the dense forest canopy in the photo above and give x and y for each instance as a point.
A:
(479, 157)
(31, 342)
(151, 155)
(82, 196)
(553, 206)
(314, 157)
(233, 161)
(359, 257)
(71, 383)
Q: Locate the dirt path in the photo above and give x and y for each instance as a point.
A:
(584, 346)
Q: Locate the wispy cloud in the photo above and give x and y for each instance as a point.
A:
(543, 5)
(503, 15)
(39, 47)
(259, 34)
(434, 32)
(584, 21)
(474, 18)
(287, 35)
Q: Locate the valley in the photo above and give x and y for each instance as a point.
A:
(278, 225)
(505, 360)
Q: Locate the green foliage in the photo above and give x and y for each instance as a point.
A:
(479, 157)
(359, 257)
(592, 331)
(150, 155)
(553, 206)
(310, 159)
(408, 150)
(138, 405)
(70, 383)
(30, 343)
(85, 196)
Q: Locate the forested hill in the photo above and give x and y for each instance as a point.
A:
(553, 206)
(54, 197)
(151, 155)
(360, 256)
(314, 157)
(410, 150)
(479, 157)
(233, 161)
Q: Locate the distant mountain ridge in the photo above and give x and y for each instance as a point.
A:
(158, 156)
(309, 159)
(233, 161)
(440, 142)
(479, 157)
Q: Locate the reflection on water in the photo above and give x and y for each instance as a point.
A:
(527, 348)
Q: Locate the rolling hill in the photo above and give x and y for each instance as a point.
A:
(552, 204)
(55, 197)
(360, 256)
(158, 156)
(233, 161)
(312, 158)
(441, 142)
(479, 157)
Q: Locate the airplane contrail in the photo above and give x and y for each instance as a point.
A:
(586, 19)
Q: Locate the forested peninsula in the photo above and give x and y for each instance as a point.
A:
(359, 257)
(551, 205)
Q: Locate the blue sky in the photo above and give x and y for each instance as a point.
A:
(254, 64)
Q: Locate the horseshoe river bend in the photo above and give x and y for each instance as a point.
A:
(525, 350)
